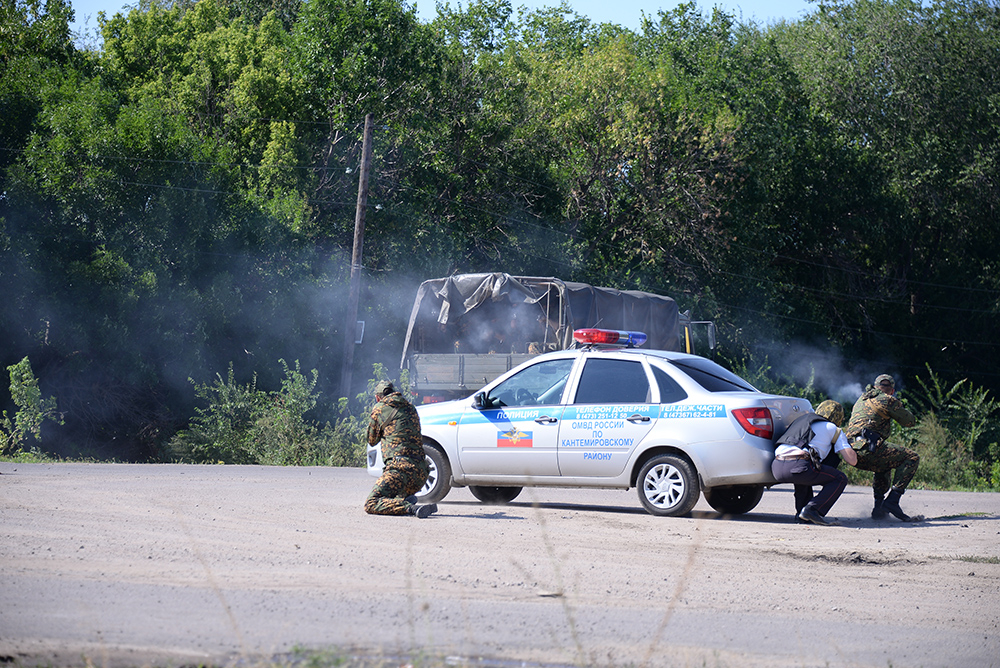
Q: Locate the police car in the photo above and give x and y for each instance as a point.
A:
(607, 414)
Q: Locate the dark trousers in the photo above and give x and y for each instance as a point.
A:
(804, 474)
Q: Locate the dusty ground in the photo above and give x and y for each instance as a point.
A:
(131, 565)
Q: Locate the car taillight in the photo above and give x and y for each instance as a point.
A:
(757, 421)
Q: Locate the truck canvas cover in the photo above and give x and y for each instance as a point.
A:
(499, 313)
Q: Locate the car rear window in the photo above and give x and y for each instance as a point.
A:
(713, 377)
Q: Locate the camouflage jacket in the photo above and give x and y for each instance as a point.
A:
(395, 422)
(876, 410)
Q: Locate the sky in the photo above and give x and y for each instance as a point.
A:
(627, 13)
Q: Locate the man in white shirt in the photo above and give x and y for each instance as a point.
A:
(819, 433)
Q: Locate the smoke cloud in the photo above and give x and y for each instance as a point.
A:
(826, 368)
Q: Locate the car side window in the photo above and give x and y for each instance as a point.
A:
(670, 391)
(608, 381)
(538, 384)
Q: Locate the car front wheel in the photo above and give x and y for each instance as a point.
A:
(438, 480)
(668, 486)
(734, 499)
(494, 496)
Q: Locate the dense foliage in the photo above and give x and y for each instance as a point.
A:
(178, 201)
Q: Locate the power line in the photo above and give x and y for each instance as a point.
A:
(863, 274)
(764, 279)
(864, 331)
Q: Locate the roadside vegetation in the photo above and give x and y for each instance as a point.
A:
(956, 432)
(178, 191)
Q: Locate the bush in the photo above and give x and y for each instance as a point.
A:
(242, 424)
(25, 426)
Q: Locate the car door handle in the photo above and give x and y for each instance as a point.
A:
(637, 418)
(545, 419)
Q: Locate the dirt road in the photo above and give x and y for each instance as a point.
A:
(132, 565)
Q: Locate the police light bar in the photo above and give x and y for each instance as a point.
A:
(609, 337)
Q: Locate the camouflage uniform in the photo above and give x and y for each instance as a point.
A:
(875, 411)
(395, 422)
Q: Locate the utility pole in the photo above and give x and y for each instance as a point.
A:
(350, 327)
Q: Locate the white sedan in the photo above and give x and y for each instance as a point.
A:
(603, 415)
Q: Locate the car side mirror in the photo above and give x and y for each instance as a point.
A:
(480, 401)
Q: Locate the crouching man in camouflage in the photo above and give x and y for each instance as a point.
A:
(870, 426)
(395, 422)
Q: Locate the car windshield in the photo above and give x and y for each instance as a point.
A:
(712, 377)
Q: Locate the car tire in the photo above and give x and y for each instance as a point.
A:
(734, 499)
(668, 486)
(495, 496)
(438, 480)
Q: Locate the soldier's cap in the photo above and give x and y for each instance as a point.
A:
(832, 411)
(885, 379)
(384, 387)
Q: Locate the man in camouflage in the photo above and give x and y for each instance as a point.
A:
(870, 426)
(395, 422)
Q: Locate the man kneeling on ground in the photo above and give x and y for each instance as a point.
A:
(395, 422)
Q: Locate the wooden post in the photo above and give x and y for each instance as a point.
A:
(350, 326)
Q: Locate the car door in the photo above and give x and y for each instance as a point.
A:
(517, 435)
(610, 413)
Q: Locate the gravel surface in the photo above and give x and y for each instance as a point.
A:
(120, 565)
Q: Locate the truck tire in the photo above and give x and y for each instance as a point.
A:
(495, 496)
(668, 486)
(439, 480)
(734, 499)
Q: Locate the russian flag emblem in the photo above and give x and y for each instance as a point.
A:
(515, 438)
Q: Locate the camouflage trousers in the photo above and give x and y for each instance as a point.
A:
(401, 478)
(883, 461)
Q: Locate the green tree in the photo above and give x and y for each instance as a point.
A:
(32, 410)
(912, 90)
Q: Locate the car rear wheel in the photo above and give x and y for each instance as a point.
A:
(734, 499)
(438, 480)
(495, 496)
(668, 486)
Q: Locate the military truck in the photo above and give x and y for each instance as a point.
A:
(466, 330)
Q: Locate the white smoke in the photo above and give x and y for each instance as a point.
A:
(826, 368)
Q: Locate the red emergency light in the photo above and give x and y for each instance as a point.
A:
(609, 337)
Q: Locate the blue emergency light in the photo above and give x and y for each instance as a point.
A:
(609, 337)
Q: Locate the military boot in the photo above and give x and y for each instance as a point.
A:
(879, 512)
(892, 505)
(426, 510)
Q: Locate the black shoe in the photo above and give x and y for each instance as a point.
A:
(892, 505)
(879, 512)
(411, 499)
(426, 510)
(809, 514)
